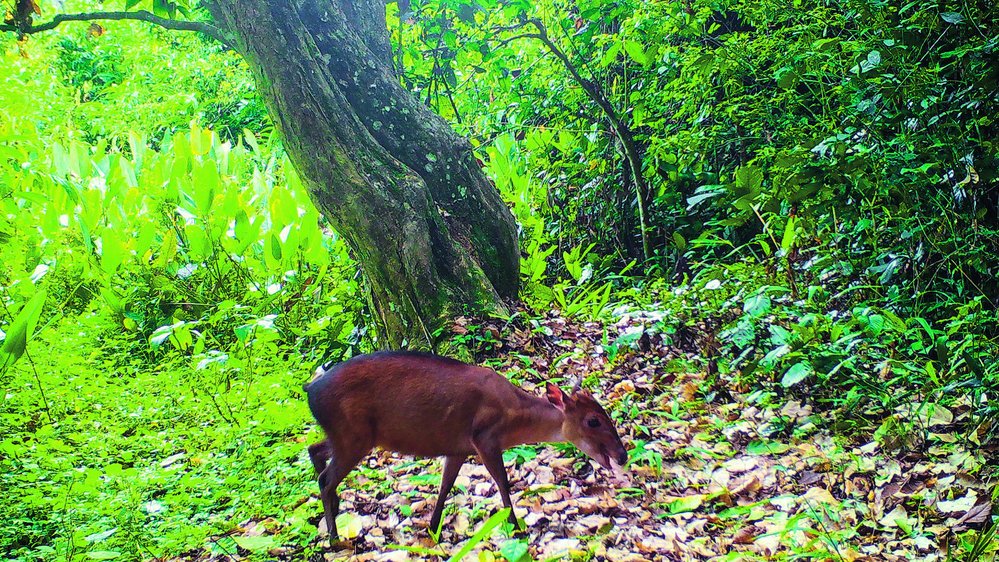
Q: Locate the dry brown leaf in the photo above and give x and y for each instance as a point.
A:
(961, 504)
(820, 495)
(742, 464)
(745, 535)
(748, 485)
(978, 514)
(688, 392)
(891, 519)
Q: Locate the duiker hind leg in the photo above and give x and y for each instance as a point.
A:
(319, 453)
(344, 456)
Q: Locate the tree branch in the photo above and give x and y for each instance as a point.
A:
(504, 42)
(141, 15)
(632, 153)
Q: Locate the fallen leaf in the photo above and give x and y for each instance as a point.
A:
(893, 518)
(978, 514)
(960, 504)
(820, 495)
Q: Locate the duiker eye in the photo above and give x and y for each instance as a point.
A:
(594, 422)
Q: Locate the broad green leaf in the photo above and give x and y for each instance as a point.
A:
(98, 537)
(128, 172)
(749, 178)
(757, 305)
(349, 525)
(952, 17)
(610, 55)
(161, 8)
(514, 550)
(685, 504)
(259, 543)
(766, 447)
(787, 242)
(22, 328)
(635, 51)
(796, 373)
(113, 251)
(484, 531)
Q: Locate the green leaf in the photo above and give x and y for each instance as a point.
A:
(636, 52)
(757, 305)
(163, 333)
(103, 554)
(823, 44)
(21, 329)
(466, 12)
(514, 550)
(350, 525)
(275, 244)
(797, 373)
(876, 323)
(259, 543)
(98, 537)
(685, 504)
(872, 62)
(952, 17)
(611, 55)
(749, 178)
(481, 534)
(785, 77)
(787, 242)
(766, 447)
(161, 8)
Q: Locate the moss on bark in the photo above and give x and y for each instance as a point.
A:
(326, 81)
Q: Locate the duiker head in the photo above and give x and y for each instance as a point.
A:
(588, 427)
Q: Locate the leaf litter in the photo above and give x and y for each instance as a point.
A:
(710, 478)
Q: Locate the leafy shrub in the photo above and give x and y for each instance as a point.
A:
(89, 66)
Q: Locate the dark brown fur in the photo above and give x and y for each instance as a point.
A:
(426, 405)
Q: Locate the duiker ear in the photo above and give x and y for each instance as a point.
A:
(555, 396)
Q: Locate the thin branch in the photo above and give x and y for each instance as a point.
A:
(140, 15)
(632, 153)
(504, 42)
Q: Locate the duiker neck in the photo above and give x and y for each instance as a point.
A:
(533, 420)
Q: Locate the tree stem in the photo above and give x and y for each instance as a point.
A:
(25, 27)
(631, 152)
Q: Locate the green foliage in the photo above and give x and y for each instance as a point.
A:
(145, 461)
(823, 201)
(833, 135)
(823, 179)
(158, 296)
(195, 235)
(863, 361)
(89, 66)
(129, 77)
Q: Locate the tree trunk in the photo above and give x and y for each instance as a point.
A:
(431, 233)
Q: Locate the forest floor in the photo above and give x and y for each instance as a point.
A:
(712, 477)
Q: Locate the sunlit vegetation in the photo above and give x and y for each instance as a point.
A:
(765, 234)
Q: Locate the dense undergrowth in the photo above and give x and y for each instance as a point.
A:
(820, 204)
(820, 178)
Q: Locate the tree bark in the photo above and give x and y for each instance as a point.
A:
(431, 233)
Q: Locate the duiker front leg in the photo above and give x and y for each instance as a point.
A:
(451, 467)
